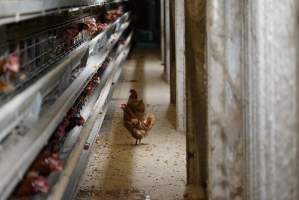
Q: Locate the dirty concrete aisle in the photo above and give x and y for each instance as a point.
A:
(118, 169)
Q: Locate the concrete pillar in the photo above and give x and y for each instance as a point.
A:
(180, 65)
(196, 91)
(253, 100)
(167, 40)
(162, 21)
(225, 102)
(273, 100)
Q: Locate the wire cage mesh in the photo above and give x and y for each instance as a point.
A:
(24, 60)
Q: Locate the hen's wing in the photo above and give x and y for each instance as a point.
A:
(138, 108)
(128, 113)
(149, 122)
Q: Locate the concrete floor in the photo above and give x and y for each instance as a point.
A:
(118, 169)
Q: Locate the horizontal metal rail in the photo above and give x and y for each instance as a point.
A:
(18, 10)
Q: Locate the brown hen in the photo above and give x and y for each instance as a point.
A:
(135, 119)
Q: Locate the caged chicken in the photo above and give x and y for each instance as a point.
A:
(46, 163)
(92, 27)
(135, 120)
(9, 66)
(72, 120)
(32, 184)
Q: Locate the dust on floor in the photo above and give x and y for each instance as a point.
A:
(117, 168)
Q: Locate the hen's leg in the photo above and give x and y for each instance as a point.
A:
(136, 143)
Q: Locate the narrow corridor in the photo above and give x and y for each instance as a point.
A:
(118, 169)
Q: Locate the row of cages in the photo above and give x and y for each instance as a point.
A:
(44, 172)
(26, 54)
(66, 79)
(30, 51)
(36, 59)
